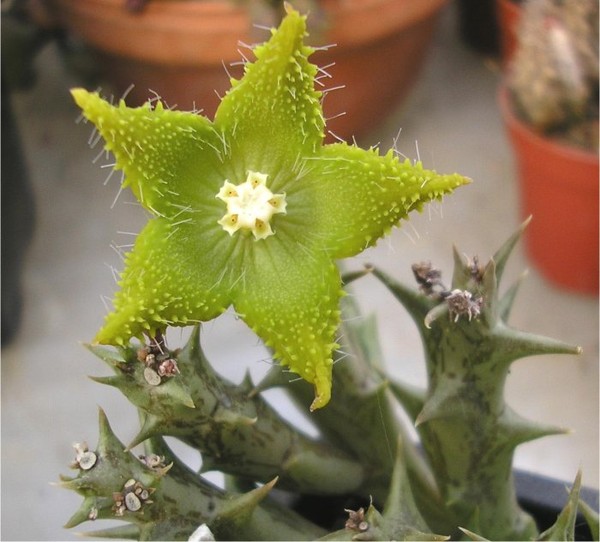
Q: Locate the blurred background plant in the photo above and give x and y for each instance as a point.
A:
(553, 78)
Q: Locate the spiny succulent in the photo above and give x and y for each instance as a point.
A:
(462, 483)
(236, 432)
(468, 432)
(160, 498)
(253, 210)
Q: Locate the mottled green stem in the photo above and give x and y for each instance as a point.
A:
(401, 518)
(173, 501)
(468, 432)
(235, 433)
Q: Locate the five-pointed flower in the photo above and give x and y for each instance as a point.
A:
(252, 209)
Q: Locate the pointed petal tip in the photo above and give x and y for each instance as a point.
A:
(316, 404)
(289, 9)
(81, 96)
(322, 397)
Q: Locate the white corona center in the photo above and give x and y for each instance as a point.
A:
(250, 205)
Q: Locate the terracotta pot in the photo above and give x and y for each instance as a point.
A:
(559, 188)
(509, 14)
(178, 49)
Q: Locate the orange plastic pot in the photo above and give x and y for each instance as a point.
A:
(559, 188)
(179, 48)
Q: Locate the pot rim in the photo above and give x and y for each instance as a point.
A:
(226, 23)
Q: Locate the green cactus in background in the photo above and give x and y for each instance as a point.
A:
(253, 210)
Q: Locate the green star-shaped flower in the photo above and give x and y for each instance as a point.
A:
(252, 210)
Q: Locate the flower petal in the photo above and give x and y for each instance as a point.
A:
(290, 298)
(168, 157)
(360, 195)
(273, 113)
(175, 275)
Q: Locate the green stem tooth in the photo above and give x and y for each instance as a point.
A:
(462, 277)
(112, 356)
(502, 255)
(237, 511)
(151, 426)
(473, 536)
(513, 345)
(519, 430)
(113, 381)
(591, 518)
(415, 304)
(505, 304)
(564, 527)
(275, 378)
(82, 514)
(349, 277)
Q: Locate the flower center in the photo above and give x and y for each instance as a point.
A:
(250, 205)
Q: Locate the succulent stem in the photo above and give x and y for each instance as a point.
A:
(235, 433)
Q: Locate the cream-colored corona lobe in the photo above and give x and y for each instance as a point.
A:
(250, 206)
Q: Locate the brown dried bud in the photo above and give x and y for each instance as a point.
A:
(427, 277)
(168, 368)
(462, 303)
(356, 520)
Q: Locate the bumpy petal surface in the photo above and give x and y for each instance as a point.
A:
(359, 195)
(290, 296)
(273, 114)
(173, 276)
(171, 159)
